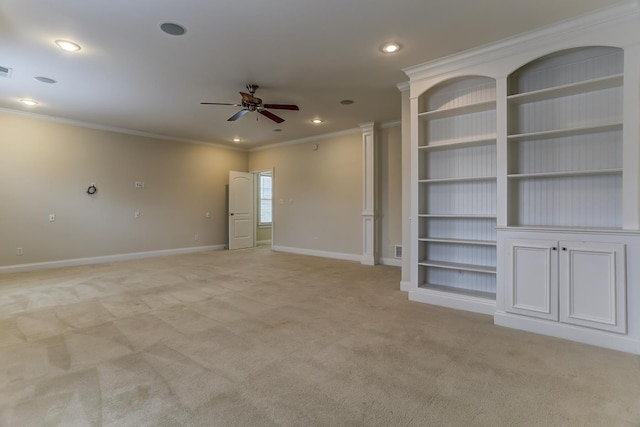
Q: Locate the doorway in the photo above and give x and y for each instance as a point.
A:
(264, 207)
(250, 209)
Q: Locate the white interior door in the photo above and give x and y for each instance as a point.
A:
(241, 220)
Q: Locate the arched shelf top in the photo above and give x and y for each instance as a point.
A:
(458, 95)
(581, 68)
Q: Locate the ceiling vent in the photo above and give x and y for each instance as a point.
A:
(5, 72)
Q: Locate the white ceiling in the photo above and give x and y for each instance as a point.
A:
(314, 53)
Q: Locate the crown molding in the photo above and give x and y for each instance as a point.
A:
(124, 131)
(308, 139)
(506, 47)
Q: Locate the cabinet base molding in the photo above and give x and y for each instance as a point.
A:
(569, 332)
(458, 301)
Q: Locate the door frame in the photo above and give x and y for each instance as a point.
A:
(273, 202)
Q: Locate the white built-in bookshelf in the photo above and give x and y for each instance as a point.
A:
(565, 140)
(525, 180)
(457, 188)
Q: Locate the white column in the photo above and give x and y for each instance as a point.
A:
(369, 192)
(631, 140)
(405, 281)
(501, 150)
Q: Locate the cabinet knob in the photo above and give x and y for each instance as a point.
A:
(564, 249)
(554, 248)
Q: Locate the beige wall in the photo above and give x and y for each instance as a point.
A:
(46, 167)
(318, 194)
(321, 193)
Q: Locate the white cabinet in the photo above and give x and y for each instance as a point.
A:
(578, 283)
(532, 277)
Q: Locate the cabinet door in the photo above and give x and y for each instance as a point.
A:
(593, 285)
(532, 278)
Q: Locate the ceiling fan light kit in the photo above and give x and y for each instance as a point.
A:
(252, 103)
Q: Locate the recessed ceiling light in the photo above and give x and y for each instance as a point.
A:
(45, 80)
(317, 121)
(236, 139)
(29, 102)
(347, 101)
(68, 46)
(390, 47)
(173, 29)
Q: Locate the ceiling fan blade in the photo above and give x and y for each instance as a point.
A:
(220, 103)
(271, 116)
(237, 115)
(282, 107)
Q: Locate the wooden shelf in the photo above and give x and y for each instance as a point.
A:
(555, 133)
(460, 143)
(457, 216)
(460, 179)
(458, 241)
(457, 266)
(591, 85)
(458, 111)
(565, 173)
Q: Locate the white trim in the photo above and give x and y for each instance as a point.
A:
(453, 300)
(322, 254)
(89, 125)
(405, 286)
(568, 332)
(506, 47)
(391, 124)
(125, 131)
(106, 258)
(394, 262)
(263, 242)
(403, 86)
(308, 139)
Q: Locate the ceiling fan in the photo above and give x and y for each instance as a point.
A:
(252, 103)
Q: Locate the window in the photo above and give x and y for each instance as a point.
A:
(265, 196)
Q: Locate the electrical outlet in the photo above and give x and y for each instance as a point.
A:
(208, 215)
(52, 217)
(137, 215)
(196, 237)
(139, 184)
(19, 252)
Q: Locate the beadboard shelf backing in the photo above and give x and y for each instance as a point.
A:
(457, 176)
(565, 68)
(565, 140)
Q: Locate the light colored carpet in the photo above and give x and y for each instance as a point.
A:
(258, 338)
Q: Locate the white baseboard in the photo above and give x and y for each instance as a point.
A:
(453, 300)
(322, 254)
(568, 332)
(106, 258)
(263, 243)
(394, 262)
(405, 286)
